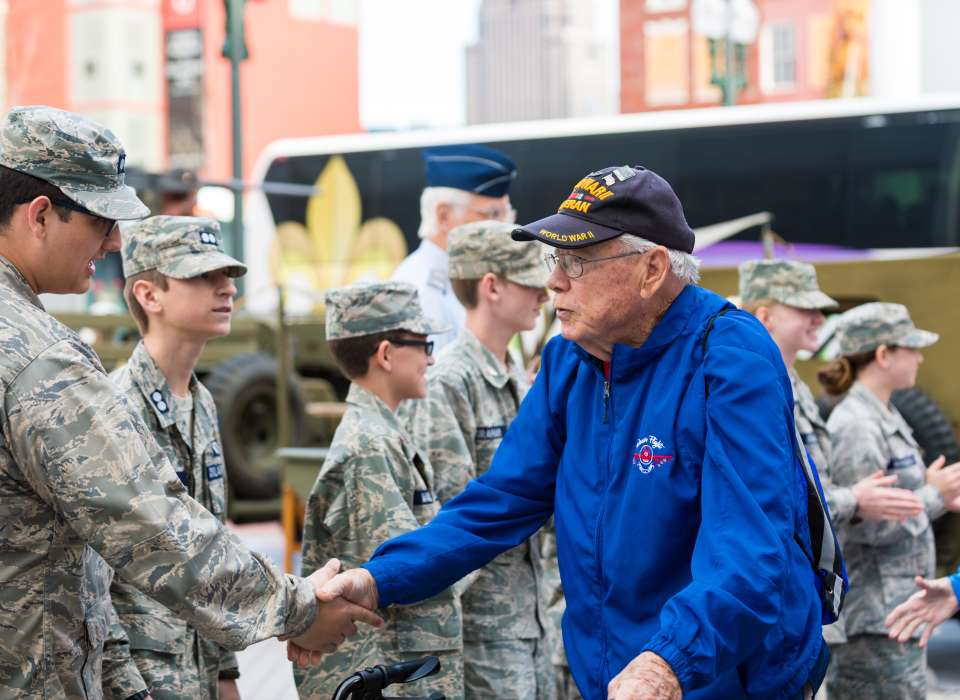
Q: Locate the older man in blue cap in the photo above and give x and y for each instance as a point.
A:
(464, 184)
(697, 558)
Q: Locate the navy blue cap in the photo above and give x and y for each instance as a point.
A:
(476, 169)
(609, 203)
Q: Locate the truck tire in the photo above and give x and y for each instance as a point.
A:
(244, 388)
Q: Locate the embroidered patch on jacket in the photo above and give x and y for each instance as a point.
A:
(491, 432)
(647, 454)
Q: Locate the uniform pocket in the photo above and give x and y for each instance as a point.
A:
(155, 633)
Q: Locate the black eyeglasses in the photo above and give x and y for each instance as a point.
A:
(427, 345)
(65, 203)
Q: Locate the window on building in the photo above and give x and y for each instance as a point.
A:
(783, 39)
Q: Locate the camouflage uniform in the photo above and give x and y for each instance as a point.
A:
(472, 399)
(83, 484)
(794, 284)
(882, 557)
(373, 486)
(174, 661)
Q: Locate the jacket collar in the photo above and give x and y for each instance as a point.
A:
(674, 322)
(151, 382)
(361, 398)
(11, 277)
(433, 252)
(494, 372)
(889, 418)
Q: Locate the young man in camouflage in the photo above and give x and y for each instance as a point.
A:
(83, 484)
(474, 393)
(179, 289)
(375, 485)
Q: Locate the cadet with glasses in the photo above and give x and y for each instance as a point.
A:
(880, 352)
(376, 483)
(659, 433)
(83, 485)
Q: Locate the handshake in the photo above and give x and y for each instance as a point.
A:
(343, 600)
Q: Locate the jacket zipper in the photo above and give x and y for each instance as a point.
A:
(606, 398)
(607, 410)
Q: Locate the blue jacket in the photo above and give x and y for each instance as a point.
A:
(675, 513)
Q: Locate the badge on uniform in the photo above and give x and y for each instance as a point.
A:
(491, 432)
(902, 462)
(422, 498)
(156, 396)
(209, 238)
(184, 478)
(214, 470)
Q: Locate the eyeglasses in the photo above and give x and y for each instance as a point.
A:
(65, 203)
(506, 215)
(427, 345)
(572, 265)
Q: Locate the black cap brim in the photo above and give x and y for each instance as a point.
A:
(565, 231)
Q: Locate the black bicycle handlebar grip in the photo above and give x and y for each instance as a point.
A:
(410, 671)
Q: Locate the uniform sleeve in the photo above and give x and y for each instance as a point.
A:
(955, 582)
(859, 449)
(90, 457)
(841, 502)
(121, 677)
(497, 511)
(741, 564)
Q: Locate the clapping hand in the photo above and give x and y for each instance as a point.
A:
(335, 619)
(932, 605)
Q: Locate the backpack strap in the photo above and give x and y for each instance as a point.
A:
(823, 550)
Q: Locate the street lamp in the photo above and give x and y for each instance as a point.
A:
(732, 23)
(235, 48)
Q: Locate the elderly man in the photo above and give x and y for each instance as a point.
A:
(660, 434)
(464, 184)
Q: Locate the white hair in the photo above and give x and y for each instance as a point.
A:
(430, 199)
(684, 265)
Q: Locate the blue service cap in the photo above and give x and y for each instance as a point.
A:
(476, 169)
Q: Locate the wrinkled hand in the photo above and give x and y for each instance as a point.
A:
(946, 480)
(933, 604)
(878, 500)
(227, 689)
(647, 677)
(335, 620)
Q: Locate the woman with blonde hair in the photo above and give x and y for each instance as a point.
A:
(879, 354)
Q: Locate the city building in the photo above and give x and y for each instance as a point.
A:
(802, 50)
(537, 59)
(152, 70)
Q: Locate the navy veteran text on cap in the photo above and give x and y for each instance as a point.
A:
(477, 169)
(611, 202)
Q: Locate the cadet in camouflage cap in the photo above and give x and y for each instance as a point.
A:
(365, 309)
(486, 246)
(180, 247)
(786, 281)
(79, 156)
(868, 326)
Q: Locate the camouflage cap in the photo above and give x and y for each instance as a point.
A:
(486, 246)
(868, 326)
(787, 281)
(177, 246)
(377, 307)
(81, 157)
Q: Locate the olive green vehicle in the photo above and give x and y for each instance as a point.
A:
(241, 372)
(929, 287)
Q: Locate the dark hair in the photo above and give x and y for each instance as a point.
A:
(18, 188)
(139, 315)
(466, 292)
(353, 355)
(838, 376)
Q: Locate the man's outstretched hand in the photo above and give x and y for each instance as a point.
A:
(335, 619)
(932, 605)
